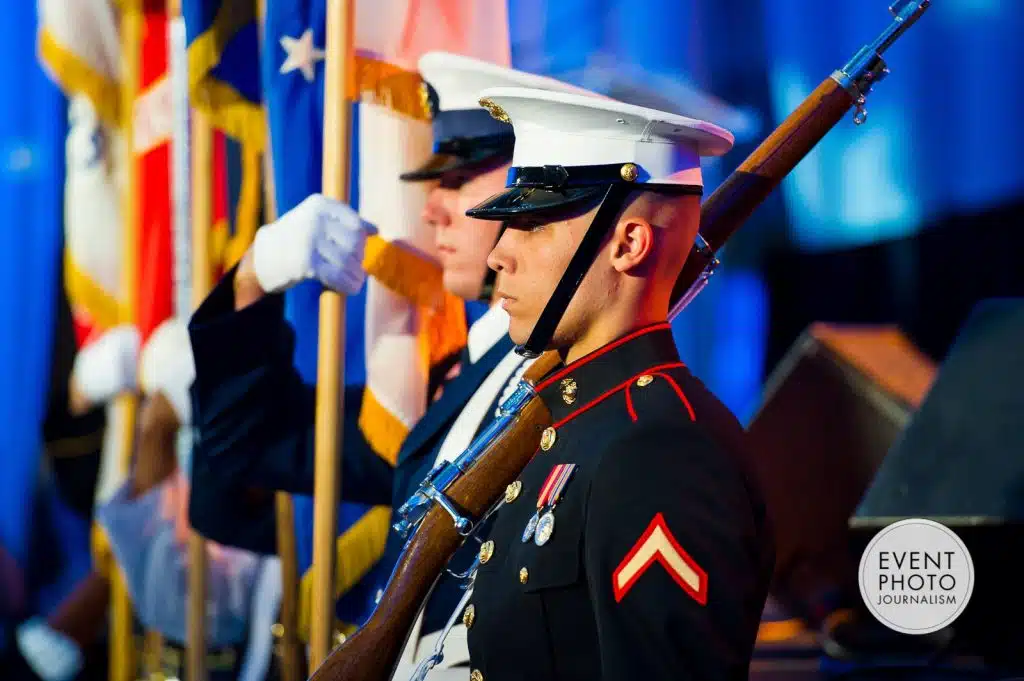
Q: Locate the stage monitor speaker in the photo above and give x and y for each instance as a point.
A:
(960, 461)
(832, 408)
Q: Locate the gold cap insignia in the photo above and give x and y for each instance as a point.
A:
(495, 110)
(629, 172)
(644, 380)
(428, 110)
(568, 390)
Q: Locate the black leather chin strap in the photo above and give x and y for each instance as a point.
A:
(582, 259)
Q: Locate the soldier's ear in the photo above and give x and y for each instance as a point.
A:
(632, 245)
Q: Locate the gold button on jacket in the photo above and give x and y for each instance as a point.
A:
(486, 551)
(547, 439)
(652, 458)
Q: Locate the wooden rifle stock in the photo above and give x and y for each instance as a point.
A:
(373, 652)
(749, 185)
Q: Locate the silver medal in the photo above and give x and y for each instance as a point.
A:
(545, 528)
(530, 527)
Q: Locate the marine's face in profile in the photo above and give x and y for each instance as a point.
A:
(628, 283)
(463, 242)
(530, 258)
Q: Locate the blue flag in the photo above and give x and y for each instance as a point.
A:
(32, 137)
(293, 90)
(222, 38)
(223, 68)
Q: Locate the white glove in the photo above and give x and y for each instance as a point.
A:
(319, 239)
(106, 367)
(52, 655)
(166, 366)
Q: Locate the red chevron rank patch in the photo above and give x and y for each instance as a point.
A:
(658, 544)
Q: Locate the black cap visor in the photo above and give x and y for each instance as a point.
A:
(463, 156)
(435, 166)
(520, 201)
(439, 165)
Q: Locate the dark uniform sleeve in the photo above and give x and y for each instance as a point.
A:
(73, 443)
(674, 572)
(232, 515)
(253, 414)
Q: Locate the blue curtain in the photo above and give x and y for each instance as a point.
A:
(942, 134)
(943, 131)
(32, 131)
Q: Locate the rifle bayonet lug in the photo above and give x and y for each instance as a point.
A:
(867, 67)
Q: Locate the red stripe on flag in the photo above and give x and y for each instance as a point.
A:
(221, 215)
(153, 172)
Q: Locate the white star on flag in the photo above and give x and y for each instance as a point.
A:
(301, 54)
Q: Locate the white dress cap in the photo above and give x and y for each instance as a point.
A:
(466, 138)
(458, 79)
(567, 129)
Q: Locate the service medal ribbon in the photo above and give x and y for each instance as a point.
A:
(554, 485)
(541, 528)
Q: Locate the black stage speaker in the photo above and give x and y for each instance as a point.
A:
(832, 408)
(960, 461)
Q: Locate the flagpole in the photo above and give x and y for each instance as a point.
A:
(331, 343)
(122, 667)
(291, 662)
(202, 219)
(192, 165)
(284, 506)
(287, 549)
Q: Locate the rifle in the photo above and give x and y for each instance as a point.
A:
(455, 496)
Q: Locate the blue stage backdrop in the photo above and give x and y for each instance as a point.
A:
(32, 130)
(942, 134)
(941, 137)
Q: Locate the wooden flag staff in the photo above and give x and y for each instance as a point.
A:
(121, 648)
(286, 629)
(331, 345)
(192, 191)
(202, 221)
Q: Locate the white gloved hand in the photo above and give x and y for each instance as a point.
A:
(319, 239)
(52, 655)
(166, 366)
(106, 367)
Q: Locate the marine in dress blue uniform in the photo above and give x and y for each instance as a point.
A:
(253, 413)
(635, 544)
